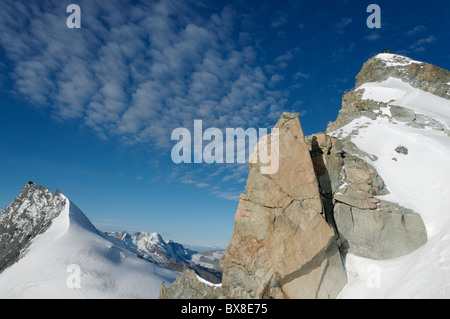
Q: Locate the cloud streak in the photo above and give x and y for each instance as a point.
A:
(419, 45)
(137, 72)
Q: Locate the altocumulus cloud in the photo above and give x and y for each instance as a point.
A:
(137, 70)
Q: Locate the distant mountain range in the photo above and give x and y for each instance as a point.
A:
(152, 247)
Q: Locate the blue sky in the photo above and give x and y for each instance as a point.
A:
(90, 111)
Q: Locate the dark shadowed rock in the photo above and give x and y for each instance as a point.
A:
(29, 215)
(365, 225)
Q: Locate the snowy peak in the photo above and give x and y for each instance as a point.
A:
(397, 120)
(400, 89)
(420, 75)
(391, 59)
(29, 215)
(77, 218)
(50, 249)
(151, 246)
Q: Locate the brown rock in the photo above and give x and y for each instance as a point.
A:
(282, 247)
(363, 202)
(189, 286)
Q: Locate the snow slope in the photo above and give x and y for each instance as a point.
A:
(419, 180)
(404, 95)
(208, 259)
(395, 60)
(72, 246)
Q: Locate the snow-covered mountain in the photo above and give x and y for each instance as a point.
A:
(399, 115)
(208, 259)
(30, 214)
(53, 251)
(152, 247)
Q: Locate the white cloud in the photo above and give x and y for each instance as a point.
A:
(340, 53)
(373, 36)
(419, 45)
(416, 30)
(302, 75)
(138, 72)
(280, 19)
(341, 25)
(135, 73)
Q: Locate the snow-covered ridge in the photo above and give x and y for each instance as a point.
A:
(395, 60)
(152, 246)
(209, 259)
(30, 214)
(71, 259)
(417, 179)
(45, 237)
(396, 92)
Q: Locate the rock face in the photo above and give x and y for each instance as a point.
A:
(29, 215)
(386, 232)
(381, 67)
(189, 286)
(293, 226)
(282, 246)
(366, 226)
(427, 77)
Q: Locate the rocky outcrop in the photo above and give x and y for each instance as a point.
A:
(365, 225)
(189, 286)
(386, 232)
(282, 246)
(29, 215)
(427, 77)
(293, 226)
(381, 67)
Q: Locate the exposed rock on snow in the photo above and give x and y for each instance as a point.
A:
(387, 232)
(400, 107)
(29, 215)
(189, 286)
(366, 225)
(391, 81)
(420, 75)
(401, 150)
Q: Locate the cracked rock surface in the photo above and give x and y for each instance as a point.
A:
(282, 246)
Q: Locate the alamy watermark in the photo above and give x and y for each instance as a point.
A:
(373, 280)
(73, 281)
(74, 19)
(374, 20)
(230, 147)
